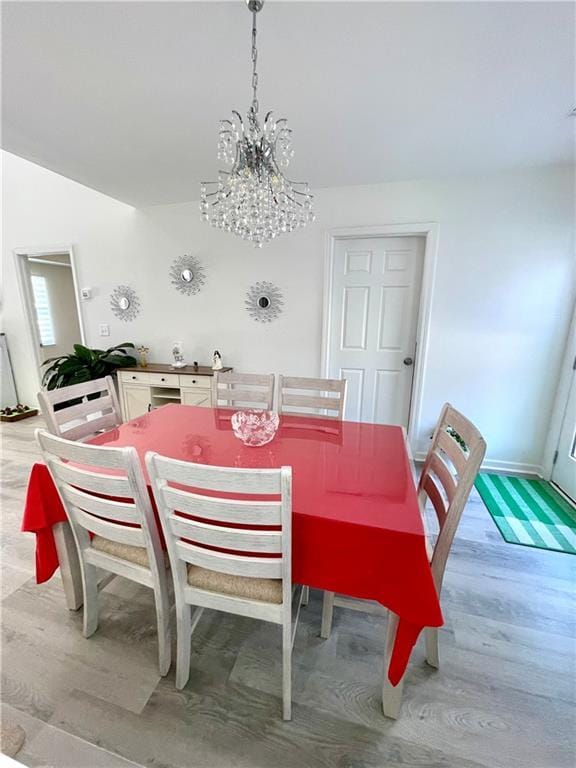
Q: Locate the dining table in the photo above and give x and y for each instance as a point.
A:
(357, 528)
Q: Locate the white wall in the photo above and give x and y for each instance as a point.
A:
(503, 296)
(41, 209)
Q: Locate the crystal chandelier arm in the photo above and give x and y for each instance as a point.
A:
(240, 128)
(293, 199)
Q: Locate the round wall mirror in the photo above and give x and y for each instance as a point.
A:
(264, 302)
(187, 274)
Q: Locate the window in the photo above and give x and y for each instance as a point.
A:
(43, 311)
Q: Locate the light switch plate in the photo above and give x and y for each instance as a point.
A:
(104, 329)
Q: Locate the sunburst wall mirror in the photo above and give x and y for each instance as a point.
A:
(124, 303)
(187, 274)
(264, 302)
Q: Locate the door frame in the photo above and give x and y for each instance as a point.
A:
(428, 230)
(20, 254)
(560, 400)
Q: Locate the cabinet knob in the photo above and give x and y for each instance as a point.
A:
(162, 379)
(193, 381)
(134, 377)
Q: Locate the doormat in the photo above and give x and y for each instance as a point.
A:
(529, 512)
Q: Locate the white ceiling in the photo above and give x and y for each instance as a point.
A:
(125, 97)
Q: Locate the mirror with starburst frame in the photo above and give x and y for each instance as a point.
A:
(264, 302)
(187, 275)
(124, 303)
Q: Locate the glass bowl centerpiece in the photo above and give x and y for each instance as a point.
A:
(255, 427)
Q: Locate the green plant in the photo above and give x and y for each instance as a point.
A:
(455, 436)
(86, 364)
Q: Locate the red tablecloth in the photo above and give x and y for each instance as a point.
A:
(43, 509)
(357, 529)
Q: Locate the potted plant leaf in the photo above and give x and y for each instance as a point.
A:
(86, 364)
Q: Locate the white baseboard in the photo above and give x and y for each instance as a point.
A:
(505, 467)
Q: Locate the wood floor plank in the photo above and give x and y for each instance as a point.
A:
(49, 746)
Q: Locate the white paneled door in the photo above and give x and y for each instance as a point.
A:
(374, 302)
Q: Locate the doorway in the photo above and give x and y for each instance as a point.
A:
(377, 308)
(564, 467)
(49, 291)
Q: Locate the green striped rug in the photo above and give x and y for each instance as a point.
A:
(529, 512)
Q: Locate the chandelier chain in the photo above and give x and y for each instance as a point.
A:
(254, 63)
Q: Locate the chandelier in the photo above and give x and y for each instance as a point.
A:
(254, 199)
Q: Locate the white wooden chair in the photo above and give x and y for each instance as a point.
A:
(447, 478)
(126, 541)
(294, 394)
(242, 390)
(87, 418)
(258, 587)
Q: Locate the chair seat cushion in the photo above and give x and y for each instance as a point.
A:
(264, 590)
(137, 555)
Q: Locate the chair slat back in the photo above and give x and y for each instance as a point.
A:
(224, 510)
(305, 396)
(242, 390)
(199, 518)
(82, 420)
(121, 512)
(447, 478)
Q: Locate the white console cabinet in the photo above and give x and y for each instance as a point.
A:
(142, 389)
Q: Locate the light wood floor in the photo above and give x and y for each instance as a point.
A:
(504, 697)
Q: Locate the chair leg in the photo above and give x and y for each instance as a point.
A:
(431, 638)
(327, 613)
(305, 595)
(183, 632)
(287, 671)
(70, 569)
(392, 698)
(90, 590)
(163, 622)
(391, 694)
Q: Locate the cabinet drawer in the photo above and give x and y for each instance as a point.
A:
(163, 379)
(193, 382)
(135, 377)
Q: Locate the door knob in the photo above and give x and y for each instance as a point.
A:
(408, 361)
